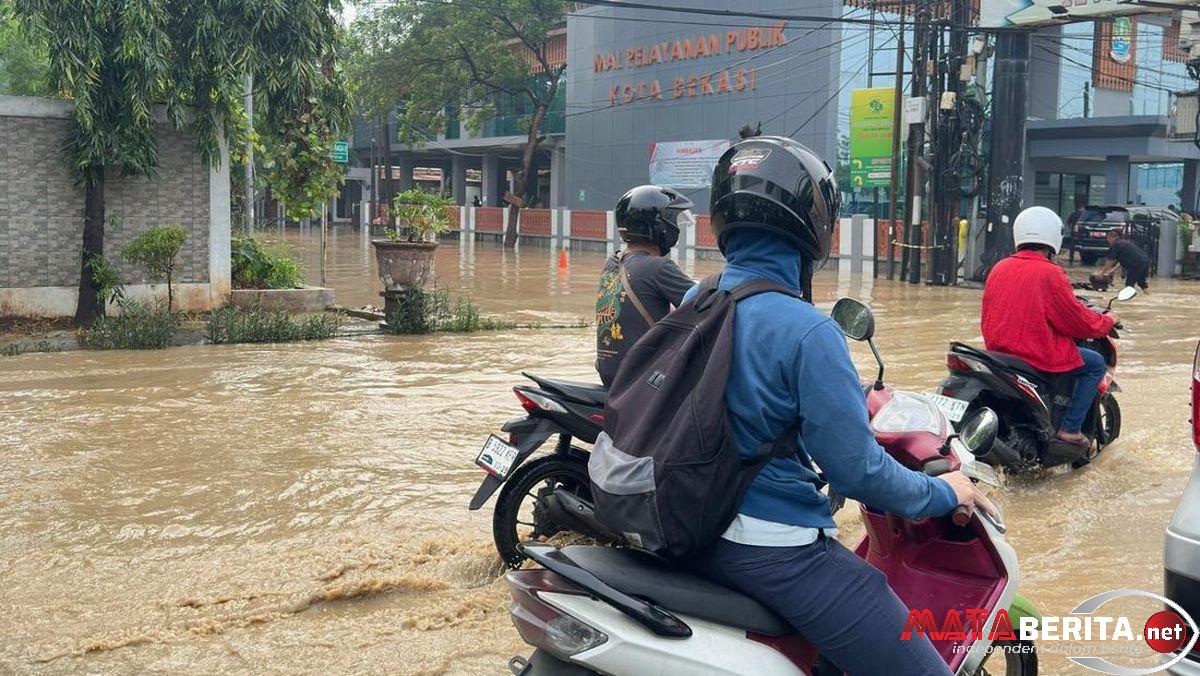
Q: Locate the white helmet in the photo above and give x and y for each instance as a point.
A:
(1038, 225)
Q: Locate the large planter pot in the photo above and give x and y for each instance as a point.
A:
(404, 265)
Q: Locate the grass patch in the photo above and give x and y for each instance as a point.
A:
(433, 311)
(234, 325)
(139, 326)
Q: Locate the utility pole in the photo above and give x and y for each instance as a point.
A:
(387, 164)
(946, 185)
(1010, 86)
(249, 103)
(894, 190)
(875, 189)
(916, 142)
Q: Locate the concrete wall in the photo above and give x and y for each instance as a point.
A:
(41, 214)
(608, 143)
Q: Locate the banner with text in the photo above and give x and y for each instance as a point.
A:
(685, 164)
(871, 112)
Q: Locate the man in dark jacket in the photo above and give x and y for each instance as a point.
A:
(640, 284)
(1130, 257)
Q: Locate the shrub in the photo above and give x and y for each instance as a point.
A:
(421, 311)
(420, 215)
(157, 252)
(138, 327)
(236, 325)
(256, 265)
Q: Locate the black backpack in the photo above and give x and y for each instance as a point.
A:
(665, 472)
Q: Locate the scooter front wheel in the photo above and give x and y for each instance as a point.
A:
(520, 510)
(1011, 658)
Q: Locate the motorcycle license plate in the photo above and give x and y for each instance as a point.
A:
(952, 408)
(497, 457)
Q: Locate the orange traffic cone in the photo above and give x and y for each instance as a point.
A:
(562, 260)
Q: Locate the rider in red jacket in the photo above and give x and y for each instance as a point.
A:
(1030, 312)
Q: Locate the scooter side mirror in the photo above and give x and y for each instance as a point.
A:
(1127, 293)
(979, 432)
(858, 323)
(854, 318)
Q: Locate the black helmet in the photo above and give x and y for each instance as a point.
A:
(649, 213)
(776, 184)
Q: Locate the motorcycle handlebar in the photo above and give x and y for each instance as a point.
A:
(961, 515)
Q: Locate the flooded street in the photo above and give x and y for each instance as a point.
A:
(302, 507)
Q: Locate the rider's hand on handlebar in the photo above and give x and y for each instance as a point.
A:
(1115, 318)
(967, 494)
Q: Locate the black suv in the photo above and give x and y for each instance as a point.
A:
(1141, 224)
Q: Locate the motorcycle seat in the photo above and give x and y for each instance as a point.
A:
(588, 394)
(1003, 359)
(651, 579)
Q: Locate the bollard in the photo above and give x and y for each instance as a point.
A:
(562, 260)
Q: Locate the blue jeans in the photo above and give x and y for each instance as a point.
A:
(838, 601)
(1087, 380)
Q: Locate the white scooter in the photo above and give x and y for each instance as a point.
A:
(601, 610)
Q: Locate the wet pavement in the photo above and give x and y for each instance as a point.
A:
(302, 508)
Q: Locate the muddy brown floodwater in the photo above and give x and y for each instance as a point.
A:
(302, 508)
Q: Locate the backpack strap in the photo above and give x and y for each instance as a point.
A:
(782, 446)
(706, 291)
(754, 287)
(627, 287)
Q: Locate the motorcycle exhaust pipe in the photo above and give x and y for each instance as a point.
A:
(567, 508)
(1000, 455)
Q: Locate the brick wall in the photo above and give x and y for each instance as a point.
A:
(41, 210)
(41, 214)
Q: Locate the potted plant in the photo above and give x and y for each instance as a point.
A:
(405, 258)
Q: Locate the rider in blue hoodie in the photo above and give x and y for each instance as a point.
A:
(773, 207)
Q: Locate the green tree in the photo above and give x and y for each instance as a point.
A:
(425, 58)
(24, 63)
(117, 59)
(157, 252)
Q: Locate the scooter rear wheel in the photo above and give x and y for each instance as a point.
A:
(518, 516)
(1108, 427)
(1011, 658)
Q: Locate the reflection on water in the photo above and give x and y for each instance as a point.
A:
(303, 507)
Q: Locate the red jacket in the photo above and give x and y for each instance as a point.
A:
(1030, 311)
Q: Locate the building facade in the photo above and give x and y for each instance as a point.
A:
(653, 96)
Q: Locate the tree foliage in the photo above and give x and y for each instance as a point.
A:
(425, 58)
(117, 59)
(24, 63)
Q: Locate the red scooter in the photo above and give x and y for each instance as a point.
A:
(601, 610)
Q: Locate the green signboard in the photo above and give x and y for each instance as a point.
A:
(341, 152)
(871, 113)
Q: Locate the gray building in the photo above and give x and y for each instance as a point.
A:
(638, 79)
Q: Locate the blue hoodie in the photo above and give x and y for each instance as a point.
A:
(790, 362)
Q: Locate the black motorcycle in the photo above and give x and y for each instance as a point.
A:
(541, 497)
(1031, 403)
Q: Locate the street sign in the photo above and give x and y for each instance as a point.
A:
(341, 152)
(871, 113)
(1029, 13)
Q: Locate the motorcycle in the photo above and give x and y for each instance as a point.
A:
(541, 497)
(602, 610)
(1031, 403)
